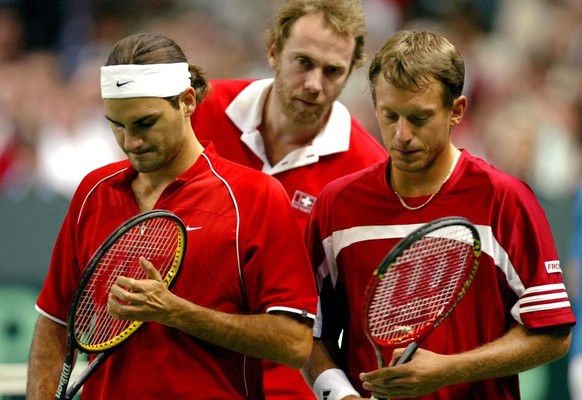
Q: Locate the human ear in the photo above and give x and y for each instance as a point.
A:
(272, 56)
(458, 110)
(188, 100)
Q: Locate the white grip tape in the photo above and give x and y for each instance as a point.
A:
(333, 384)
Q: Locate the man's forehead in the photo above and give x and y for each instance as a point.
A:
(419, 98)
(314, 38)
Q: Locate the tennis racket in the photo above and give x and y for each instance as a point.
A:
(419, 283)
(157, 235)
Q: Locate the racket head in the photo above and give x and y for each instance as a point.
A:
(420, 281)
(157, 235)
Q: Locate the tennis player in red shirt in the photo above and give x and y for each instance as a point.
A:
(515, 315)
(293, 127)
(245, 291)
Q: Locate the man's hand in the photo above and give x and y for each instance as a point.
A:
(421, 375)
(140, 300)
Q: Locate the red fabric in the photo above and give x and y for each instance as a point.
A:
(358, 219)
(233, 206)
(211, 123)
(302, 184)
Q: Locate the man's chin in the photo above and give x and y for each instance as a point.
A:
(143, 167)
(309, 118)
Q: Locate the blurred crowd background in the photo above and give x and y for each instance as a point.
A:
(524, 84)
(524, 80)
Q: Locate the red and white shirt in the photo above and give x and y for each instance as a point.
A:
(358, 219)
(246, 256)
(231, 116)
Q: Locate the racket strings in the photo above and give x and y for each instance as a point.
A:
(421, 285)
(157, 241)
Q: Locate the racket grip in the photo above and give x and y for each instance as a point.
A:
(85, 374)
(404, 358)
(408, 353)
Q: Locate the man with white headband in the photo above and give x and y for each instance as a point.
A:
(245, 291)
(153, 80)
(292, 127)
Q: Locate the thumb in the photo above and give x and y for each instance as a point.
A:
(395, 356)
(149, 269)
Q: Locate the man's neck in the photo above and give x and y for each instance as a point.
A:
(280, 135)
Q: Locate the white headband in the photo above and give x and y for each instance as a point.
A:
(149, 80)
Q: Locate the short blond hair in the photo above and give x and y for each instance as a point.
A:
(409, 59)
(346, 17)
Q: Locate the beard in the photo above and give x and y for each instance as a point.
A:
(300, 114)
(145, 163)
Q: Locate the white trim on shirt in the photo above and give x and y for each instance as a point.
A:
(246, 111)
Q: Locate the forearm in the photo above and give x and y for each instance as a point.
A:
(282, 338)
(321, 359)
(334, 384)
(46, 359)
(275, 337)
(517, 351)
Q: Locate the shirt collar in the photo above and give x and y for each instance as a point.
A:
(123, 180)
(246, 111)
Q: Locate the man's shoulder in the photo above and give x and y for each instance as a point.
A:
(370, 176)
(497, 176)
(103, 174)
(359, 133)
(490, 179)
(226, 89)
(221, 94)
(240, 175)
(365, 145)
(97, 177)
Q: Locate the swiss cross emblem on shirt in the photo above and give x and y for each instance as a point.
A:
(303, 201)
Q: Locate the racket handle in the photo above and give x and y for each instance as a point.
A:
(85, 374)
(408, 353)
(404, 358)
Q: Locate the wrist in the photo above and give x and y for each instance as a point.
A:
(333, 384)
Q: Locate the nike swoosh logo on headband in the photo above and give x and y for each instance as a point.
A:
(193, 228)
(119, 84)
